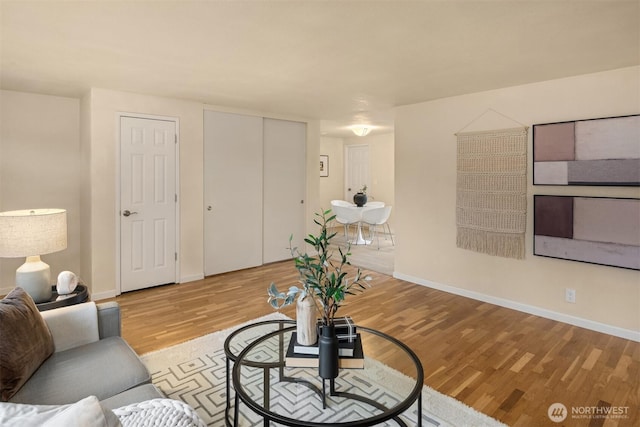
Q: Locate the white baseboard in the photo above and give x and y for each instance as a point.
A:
(104, 295)
(113, 293)
(525, 308)
(193, 278)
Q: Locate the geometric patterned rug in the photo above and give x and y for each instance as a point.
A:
(195, 373)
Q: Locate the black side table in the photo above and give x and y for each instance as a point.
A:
(79, 295)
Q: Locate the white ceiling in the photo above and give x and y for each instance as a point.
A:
(343, 62)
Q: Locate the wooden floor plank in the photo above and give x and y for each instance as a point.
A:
(507, 364)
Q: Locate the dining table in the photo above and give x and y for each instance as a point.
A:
(358, 211)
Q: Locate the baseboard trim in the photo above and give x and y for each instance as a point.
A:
(113, 293)
(192, 278)
(104, 295)
(525, 308)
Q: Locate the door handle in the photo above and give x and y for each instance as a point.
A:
(209, 207)
(127, 212)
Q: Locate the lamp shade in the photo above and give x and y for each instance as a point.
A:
(31, 232)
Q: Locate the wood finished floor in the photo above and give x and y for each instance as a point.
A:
(507, 364)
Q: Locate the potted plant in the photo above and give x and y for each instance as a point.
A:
(360, 198)
(324, 279)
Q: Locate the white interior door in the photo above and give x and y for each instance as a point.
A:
(232, 192)
(357, 169)
(284, 187)
(147, 203)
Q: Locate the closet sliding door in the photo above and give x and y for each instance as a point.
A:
(284, 187)
(233, 158)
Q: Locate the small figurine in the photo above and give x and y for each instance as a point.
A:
(67, 282)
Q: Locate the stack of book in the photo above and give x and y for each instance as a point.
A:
(345, 328)
(349, 348)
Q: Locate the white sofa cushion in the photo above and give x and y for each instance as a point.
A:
(103, 369)
(73, 326)
(86, 413)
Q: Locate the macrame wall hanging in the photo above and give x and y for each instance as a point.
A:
(491, 200)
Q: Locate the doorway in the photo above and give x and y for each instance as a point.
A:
(356, 169)
(148, 202)
(371, 164)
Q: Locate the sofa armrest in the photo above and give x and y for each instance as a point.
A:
(109, 320)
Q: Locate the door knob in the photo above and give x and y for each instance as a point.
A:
(209, 208)
(127, 212)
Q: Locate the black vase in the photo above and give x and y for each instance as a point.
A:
(328, 353)
(360, 199)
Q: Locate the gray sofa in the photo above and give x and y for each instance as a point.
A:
(70, 367)
(82, 366)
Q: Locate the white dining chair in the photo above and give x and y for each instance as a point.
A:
(378, 217)
(340, 218)
(341, 203)
(345, 216)
(375, 204)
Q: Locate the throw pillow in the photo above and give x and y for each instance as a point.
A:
(25, 341)
(88, 412)
(73, 326)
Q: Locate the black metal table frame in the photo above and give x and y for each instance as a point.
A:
(240, 395)
(232, 357)
(78, 296)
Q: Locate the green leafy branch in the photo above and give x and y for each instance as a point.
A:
(320, 276)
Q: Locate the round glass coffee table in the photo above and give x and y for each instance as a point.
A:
(388, 393)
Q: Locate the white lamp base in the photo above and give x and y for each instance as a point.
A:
(34, 276)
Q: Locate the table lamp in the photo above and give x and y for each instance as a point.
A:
(31, 233)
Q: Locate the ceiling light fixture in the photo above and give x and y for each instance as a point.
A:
(361, 130)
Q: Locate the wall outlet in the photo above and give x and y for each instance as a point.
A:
(570, 295)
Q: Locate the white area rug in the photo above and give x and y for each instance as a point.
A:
(195, 372)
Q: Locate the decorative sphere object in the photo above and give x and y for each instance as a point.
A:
(360, 199)
(67, 282)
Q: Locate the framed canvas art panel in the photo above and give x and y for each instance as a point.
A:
(596, 230)
(324, 165)
(598, 152)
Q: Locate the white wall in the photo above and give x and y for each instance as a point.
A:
(608, 298)
(104, 106)
(39, 168)
(61, 152)
(101, 223)
(381, 166)
(85, 186)
(332, 186)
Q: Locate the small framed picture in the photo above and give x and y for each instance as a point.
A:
(324, 165)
